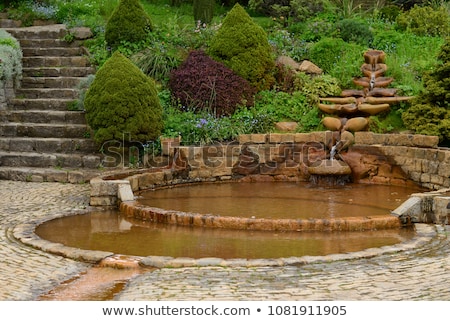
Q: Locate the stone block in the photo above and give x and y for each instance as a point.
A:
(76, 177)
(425, 141)
(275, 138)
(103, 201)
(302, 137)
(287, 138)
(258, 138)
(124, 192)
(245, 138)
(441, 208)
(364, 138)
(409, 209)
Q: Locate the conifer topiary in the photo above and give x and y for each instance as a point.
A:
(122, 102)
(201, 83)
(243, 46)
(129, 22)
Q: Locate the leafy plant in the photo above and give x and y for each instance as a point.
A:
(201, 83)
(10, 59)
(425, 21)
(337, 58)
(352, 30)
(430, 111)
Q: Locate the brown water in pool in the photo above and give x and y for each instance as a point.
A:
(110, 231)
(279, 200)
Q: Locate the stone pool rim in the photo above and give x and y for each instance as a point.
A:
(25, 233)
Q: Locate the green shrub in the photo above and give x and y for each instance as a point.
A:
(128, 23)
(281, 106)
(390, 13)
(10, 59)
(123, 102)
(425, 21)
(293, 10)
(338, 58)
(315, 87)
(430, 112)
(243, 46)
(351, 30)
(203, 11)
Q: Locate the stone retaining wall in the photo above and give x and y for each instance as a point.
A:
(374, 158)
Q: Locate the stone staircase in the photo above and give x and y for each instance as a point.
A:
(41, 137)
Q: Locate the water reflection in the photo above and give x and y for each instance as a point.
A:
(109, 231)
(279, 200)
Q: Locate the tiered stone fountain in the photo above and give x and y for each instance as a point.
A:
(351, 111)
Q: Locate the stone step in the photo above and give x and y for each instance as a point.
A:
(48, 145)
(53, 51)
(36, 174)
(39, 93)
(50, 82)
(56, 160)
(44, 130)
(57, 31)
(43, 116)
(44, 61)
(62, 104)
(49, 43)
(9, 23)
(57, 71)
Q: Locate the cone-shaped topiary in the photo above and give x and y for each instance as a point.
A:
(243, 46)
(205, 84)
(129, 22)
(123, 101)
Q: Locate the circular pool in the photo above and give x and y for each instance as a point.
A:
(191, 207)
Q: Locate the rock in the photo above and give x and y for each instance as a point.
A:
(332, 123)
(82, 33)
(356, 124)
(287, 62)
(309, 68)
(286, 126)
(329, 167)
(305, 66)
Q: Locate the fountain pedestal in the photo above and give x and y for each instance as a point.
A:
(327, 167)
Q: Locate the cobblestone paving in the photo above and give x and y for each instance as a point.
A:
(25, 273)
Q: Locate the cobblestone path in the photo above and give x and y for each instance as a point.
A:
(26, 273)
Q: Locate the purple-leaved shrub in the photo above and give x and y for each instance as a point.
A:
(200, 83)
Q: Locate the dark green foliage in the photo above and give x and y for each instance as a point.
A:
(203, 11)
(123, 102)
(243, 46)
(356, 31)
(201, 83)
(338, 58)
(390, 12)
(425, 21)
(430, 111)
(408, 4)
(128, 23)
